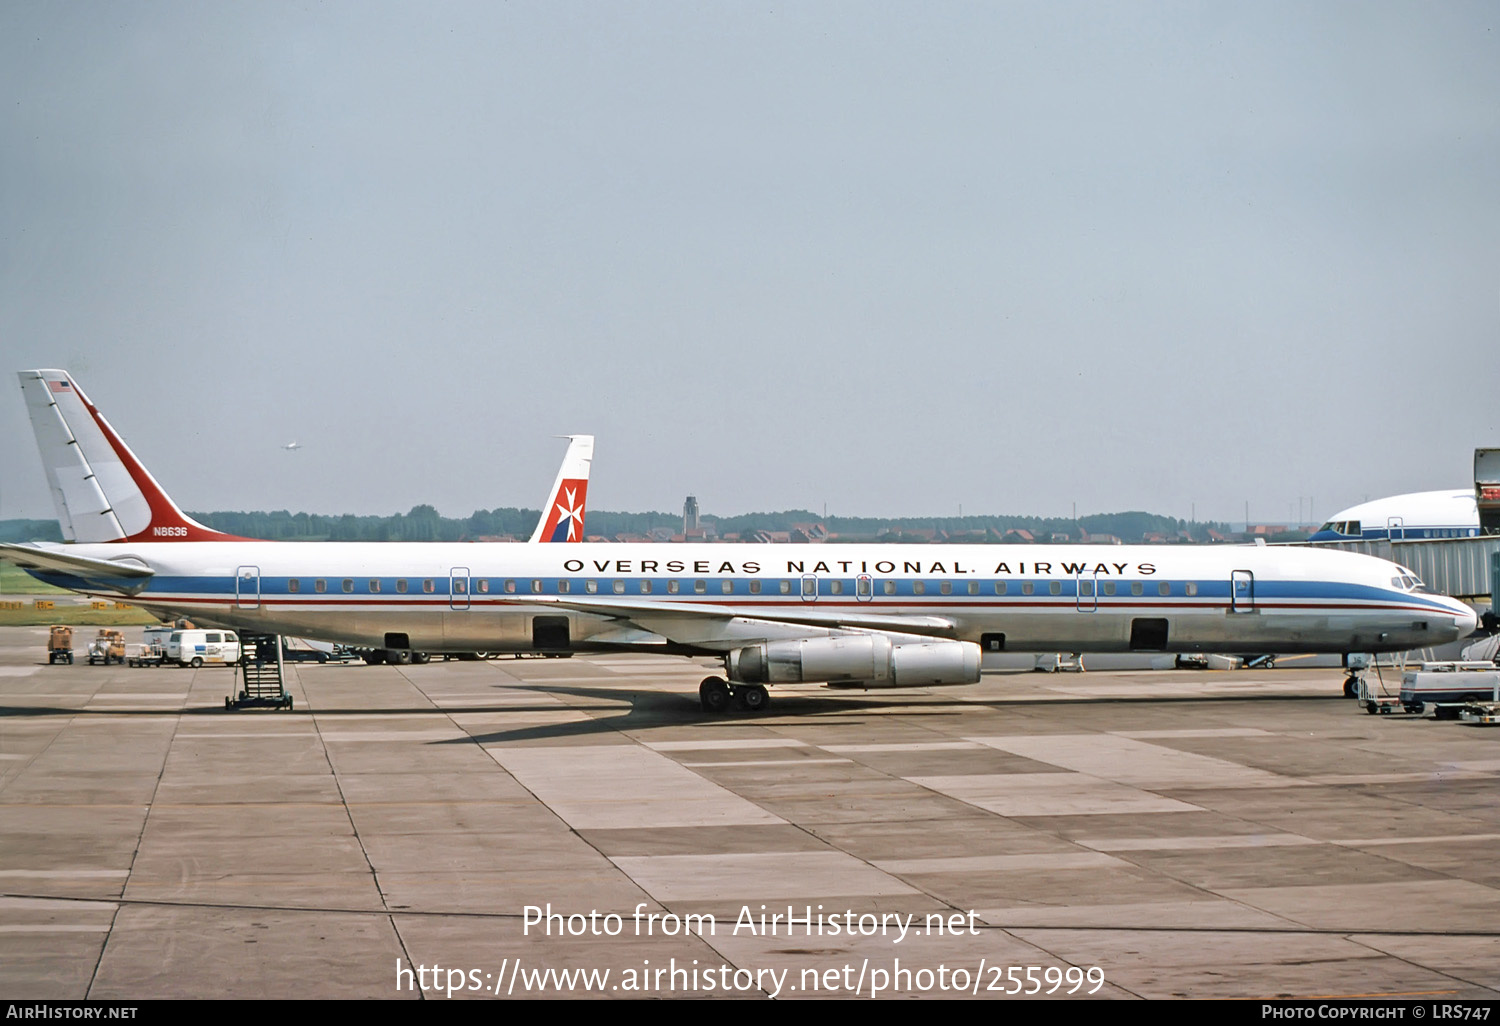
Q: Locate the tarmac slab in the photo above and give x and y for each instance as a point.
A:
(580, 828)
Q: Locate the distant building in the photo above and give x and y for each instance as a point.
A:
(809, 533)
(690, 515)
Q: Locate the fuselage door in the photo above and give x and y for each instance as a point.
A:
(1088, 598)
(864, 588)
(247, 587)
(1241, 592)
(809, 588)
(458, 587)
(1395, 529)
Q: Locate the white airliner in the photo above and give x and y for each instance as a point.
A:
(1452, 513)
(849, 616)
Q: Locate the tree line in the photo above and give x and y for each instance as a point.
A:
(424, 523)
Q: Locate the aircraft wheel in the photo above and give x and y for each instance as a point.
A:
(398, 656)
(421, 657)
(374, 657)
(196, 663)
(1351, 687)
(714, 694)
(754, 698)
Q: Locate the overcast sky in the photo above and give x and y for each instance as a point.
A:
(894, 258)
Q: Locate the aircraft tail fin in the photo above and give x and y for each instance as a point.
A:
(562, 516)
(101, 491)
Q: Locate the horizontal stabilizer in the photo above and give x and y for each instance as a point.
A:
(31, 557)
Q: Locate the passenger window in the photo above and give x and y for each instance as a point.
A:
(889, 587)
(645, 587)
(1085, 588)
(809, 585)
(835, 587)
(619, 587)
(320, 586)
(401, 585)
(973, 587)
(1190, 588)
(700, 587)
(946, 587)
(348, 585)
(460, 586)
(755, 587)
(212, 638)
(786, 587)
(592, 587)
(1108, 586)
(919, 587)
(536, 587)
(563, 587)
(1163, 588)
(510, 587)
(727, 587)
(1055, 587)
(673, 586)
(427, 586)
(293, 585)
(1028, 588)
(1137, 588)
(863, 587)
(374, 585)
(484, 587)
(1001, 587)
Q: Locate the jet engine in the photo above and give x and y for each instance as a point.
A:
(869, 659)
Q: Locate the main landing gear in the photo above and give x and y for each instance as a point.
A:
(717, 695)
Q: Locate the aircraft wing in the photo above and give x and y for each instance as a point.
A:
(32, 557)
(718, 627)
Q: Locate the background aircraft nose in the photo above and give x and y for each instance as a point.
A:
(1467, 619)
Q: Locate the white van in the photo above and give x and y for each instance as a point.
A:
(197, 647)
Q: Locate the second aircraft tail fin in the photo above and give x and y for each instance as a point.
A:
(562, 516)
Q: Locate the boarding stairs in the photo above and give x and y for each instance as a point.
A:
(260, 674)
